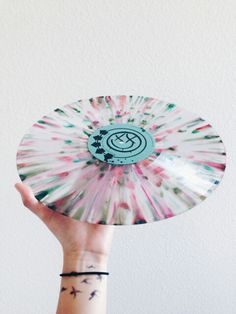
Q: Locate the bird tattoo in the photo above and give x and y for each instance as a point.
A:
(85, 280)
(74, 291)
(93, 294)
(63, 289)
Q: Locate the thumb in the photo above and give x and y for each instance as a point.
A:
(29, 201)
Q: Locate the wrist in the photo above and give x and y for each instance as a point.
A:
(84, 261)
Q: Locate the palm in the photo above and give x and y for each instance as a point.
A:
(74, 236)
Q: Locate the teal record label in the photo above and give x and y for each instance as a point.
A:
(121, 144)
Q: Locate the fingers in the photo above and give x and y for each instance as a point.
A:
(29, 201)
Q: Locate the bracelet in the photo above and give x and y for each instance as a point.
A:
(74, 273)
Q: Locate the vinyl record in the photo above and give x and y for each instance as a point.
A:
(121, 160)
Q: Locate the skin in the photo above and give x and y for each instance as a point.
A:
(86, 247)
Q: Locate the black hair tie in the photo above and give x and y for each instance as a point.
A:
(74, 273)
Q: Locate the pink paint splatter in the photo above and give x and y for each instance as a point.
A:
(63, 174)
(212, 164)
(65, 158)
(36, 125)
(203, 127)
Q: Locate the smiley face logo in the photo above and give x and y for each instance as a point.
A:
(124, 141)
(121, 144)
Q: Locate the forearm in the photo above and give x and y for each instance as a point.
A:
(83, 294)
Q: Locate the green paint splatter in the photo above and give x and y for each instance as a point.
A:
(23, 177)
(44, 193)
(195, 131)
(70, 125)
(159, 126)
(170, 107)
(140, 221)
(208, 137)
(85, 132)
(61, 112)
(103, 168)
(41, 122)
(41, 195)
(75, 109)
(52, 206)
(102, 222)
(131, 120)
(144, 122)
(176, 190)
(194, 122)
(207, 168)
(193, 139)
(90, 162)
(68, 142)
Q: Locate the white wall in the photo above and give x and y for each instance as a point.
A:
(183, 51)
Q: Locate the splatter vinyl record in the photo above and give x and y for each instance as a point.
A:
(121, 160)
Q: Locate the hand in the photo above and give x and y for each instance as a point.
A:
(76, 237)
